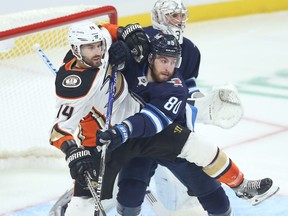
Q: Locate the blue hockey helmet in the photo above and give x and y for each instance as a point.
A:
(166, 45)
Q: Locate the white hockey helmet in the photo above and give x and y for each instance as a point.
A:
(164, 12)
(85, 32)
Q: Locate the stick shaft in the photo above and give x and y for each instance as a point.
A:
(112, 88)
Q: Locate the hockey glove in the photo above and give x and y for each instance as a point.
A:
(137, 41)
(119, 54)
(80, 163)
(113, 137)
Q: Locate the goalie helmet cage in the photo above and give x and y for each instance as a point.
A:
(27, 85)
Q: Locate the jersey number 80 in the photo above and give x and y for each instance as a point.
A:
(173, 104)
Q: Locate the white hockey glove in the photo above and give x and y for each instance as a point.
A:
(221, 106)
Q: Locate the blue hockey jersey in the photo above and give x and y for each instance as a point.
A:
(163, 103)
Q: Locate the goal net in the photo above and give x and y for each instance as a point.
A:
(27, 85)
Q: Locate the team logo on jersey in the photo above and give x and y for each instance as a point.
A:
(72, 81)
(176, 82)
(142, 81)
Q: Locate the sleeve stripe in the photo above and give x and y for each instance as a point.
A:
(193, 89)
(154, 119)
(158, 118)
(159, 113)
(193, 79)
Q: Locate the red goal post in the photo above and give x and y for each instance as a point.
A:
(27, 86)
(46, 24)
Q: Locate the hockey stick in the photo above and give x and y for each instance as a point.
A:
(98, 206)
(46, 60)
(112, 87)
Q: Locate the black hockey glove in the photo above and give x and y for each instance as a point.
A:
(113, 137)
(80, 163)
(119, 54)
(137, 41)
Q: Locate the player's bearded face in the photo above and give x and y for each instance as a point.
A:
(163, 68)
(91, 54)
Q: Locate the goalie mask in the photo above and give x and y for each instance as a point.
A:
(165, 45)
(84, 33)
(170, 17)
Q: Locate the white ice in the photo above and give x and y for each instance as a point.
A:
(250, 52)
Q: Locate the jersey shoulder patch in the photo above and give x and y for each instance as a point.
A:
(74, 84)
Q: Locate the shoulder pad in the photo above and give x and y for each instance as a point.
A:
(74, 84)
(69, 55)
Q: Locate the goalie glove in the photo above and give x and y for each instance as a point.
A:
(137, 41)
(80, 162)
(112, 137)
(221, 106)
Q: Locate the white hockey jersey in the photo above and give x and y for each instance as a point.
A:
(81, 100)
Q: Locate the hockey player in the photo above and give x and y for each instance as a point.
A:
(170, 16)
(161, 107)
(81, 87)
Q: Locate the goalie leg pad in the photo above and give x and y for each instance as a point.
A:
(86, 206)
(61, 204)
(80, 206)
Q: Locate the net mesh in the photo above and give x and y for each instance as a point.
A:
(27, 85)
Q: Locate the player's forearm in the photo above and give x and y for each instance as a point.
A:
(147, 123)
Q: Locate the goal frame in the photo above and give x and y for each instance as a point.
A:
(27, 29)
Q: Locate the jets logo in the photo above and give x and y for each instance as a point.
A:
(72, 81)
